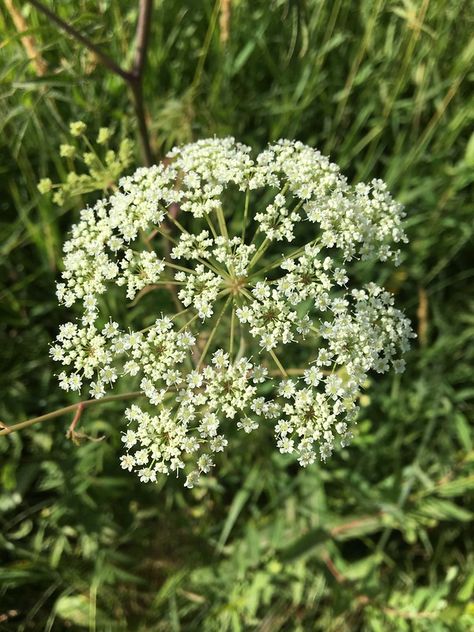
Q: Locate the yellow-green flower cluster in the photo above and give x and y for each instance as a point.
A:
(89, 168)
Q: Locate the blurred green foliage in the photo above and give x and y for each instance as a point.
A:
(380, 538)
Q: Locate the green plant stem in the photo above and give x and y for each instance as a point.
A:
(214, 268)
(158, 285)
(222, 223)
(278, 363)
(212, 334)
(260, 252)
(166, 235)
(205, 48)
(183, 311)
(191, 320)
(204, 262)
(177, 267)
(294, 371)
(246, 212)
(232, 325)
(278, 262)
(247, 294)
(68, 409)
(211, 225)
(176, 223)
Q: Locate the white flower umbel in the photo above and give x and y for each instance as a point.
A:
(245, 299)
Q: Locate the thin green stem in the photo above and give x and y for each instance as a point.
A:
(285, 189)
(232, 325)
(177, 224)
(183, 311)
(260, 252)
(158, 285)
(205, 48)
(168, 283)
(166, 236)
(298, 206)
(242, 344)
(177, 267)
(278, 363)
(212, 334)
(214, 268)
(246, 212)
(204, 262)
(222, 223)
(278, 262)
(211, 225)
(296, 372)
(188, 323)
(92, 150)
(68, 409)
(247, 294)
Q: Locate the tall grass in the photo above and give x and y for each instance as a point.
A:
(380, 538)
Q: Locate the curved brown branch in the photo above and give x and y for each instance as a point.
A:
(79, 406)
(133, 77)
(105, 60)
(142, 37)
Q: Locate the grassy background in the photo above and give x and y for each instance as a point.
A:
(380, 538)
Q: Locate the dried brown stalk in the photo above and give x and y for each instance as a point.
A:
(28, 41)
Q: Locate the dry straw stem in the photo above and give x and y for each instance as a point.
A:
(224, 21)
(28, 41)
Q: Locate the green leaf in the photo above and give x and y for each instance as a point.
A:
(304, 545)
(440, 509)
(469, 153)
(456, 487)
(73, 609)
(237, 505)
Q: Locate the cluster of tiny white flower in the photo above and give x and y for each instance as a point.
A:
(255, 291)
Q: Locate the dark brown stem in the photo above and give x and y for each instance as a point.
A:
(137, 97)
(107, 61)
(142, 37)
(134, 77)
(135, 81)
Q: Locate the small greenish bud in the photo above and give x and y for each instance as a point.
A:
(77, 128)
(126, 152)
(89, 158)
(45, 185)
(104, 135)
(110, 157)
(58, 198)
(67, 151)
(72, 178)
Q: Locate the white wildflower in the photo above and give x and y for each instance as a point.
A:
(282, 292)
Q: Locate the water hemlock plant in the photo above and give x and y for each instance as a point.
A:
(252, 251)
